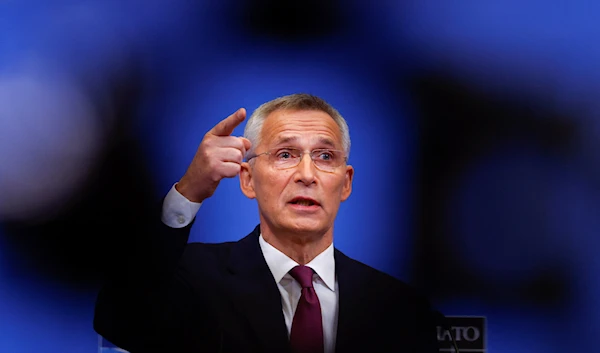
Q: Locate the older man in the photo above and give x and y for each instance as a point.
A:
(283, 287)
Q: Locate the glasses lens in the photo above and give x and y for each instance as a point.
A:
(327, 160)
(285, 157)
(324, 159)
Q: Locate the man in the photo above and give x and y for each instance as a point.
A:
(282, 288)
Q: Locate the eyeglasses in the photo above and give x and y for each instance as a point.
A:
(288, 157)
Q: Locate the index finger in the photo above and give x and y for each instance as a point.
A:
(226, 126)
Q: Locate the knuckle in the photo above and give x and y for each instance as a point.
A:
(206, 154)
(212, 165)
(211, 140)
(232, 170)
(215, 176)
(204, 146)
(240, 156)
(239, 143)
(207, 139)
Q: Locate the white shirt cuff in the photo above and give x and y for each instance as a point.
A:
(177, 211)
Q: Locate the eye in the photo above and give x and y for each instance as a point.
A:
(325, 155)
(285, 154)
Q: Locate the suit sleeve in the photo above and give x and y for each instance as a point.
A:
(135, 308)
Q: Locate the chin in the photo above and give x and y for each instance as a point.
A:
(308, 228)
(290, 223)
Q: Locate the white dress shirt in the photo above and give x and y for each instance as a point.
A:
(178, 212)
(324, 283)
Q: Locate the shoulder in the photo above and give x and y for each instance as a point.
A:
(377, 296)
(198, 252)
(203, 252)
(379, 282)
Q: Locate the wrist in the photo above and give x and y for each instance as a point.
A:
(186, 190)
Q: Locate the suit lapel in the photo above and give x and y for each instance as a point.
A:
(256, 293)
(258, 298)
(351, 282)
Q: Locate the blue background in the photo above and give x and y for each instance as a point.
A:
(510, 212)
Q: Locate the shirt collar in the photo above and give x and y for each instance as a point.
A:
(280, 264)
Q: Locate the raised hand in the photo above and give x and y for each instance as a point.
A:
(219, 156)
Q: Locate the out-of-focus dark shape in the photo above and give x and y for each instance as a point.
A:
(50, 140)
(98, 228)
(462, 128)
(292, 20)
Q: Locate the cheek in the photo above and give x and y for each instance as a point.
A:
(336, 186)
(271, 187)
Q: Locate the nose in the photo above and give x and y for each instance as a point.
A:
(306, 170)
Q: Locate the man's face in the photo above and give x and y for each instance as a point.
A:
(278, 191)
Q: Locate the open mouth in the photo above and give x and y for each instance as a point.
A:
(303, 201)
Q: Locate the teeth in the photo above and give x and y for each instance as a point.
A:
(304, 202)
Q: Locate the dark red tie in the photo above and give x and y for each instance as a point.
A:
(307, 327)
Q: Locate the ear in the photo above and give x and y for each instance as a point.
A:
(246, 183)
(347, 188)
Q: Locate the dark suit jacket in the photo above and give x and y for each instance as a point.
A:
(179, 297)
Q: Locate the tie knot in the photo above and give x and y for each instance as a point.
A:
(303, 275)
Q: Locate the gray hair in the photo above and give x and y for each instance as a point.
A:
(298, 101)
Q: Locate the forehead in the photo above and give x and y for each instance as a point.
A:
(311, 127)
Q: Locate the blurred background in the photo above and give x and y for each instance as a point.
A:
(474, 127)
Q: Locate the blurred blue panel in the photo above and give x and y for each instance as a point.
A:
(518, 213)
(500, 210)
(536, 49)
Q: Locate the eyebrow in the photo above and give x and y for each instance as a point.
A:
(291, 139)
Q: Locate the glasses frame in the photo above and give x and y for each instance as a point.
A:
(302, 153)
